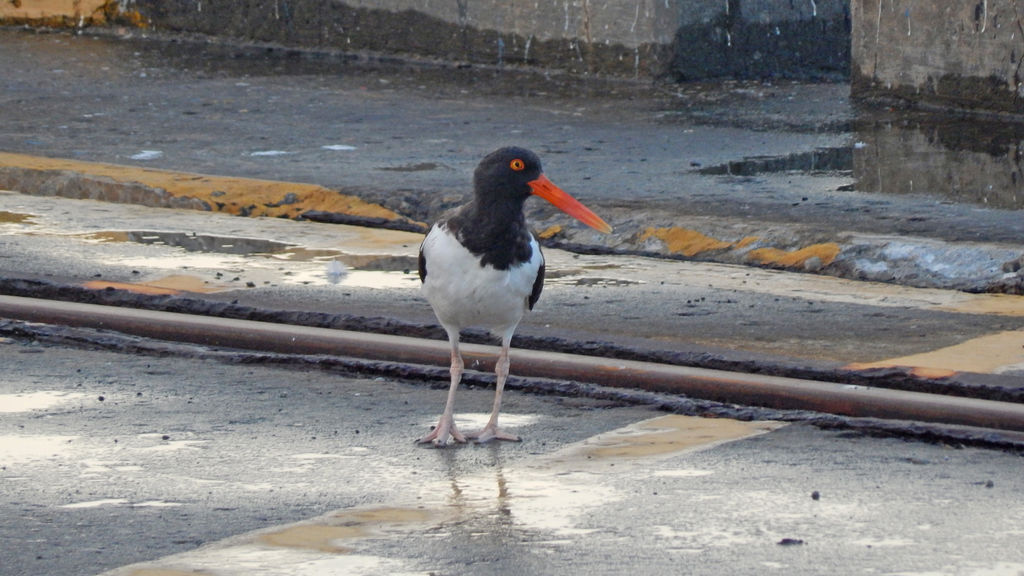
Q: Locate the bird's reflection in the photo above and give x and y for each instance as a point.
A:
(479, 488)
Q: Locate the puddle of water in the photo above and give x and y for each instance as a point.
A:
(96, 503)
(556, 505)
(362, 279)
(476, 420)
(235, 262)
(363, 251)
(559, 489)
(175, 445)
(22, 449)
(592, 281)
(823, 160)
(40, 400)
(192, 242)
(973, 161)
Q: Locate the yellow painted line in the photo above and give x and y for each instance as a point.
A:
(989, 354)
(986, 304)
(670, 434)
(67, 13)
(239, 196)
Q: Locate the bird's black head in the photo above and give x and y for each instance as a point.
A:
(505, 174)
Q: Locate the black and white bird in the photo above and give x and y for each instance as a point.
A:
(481, 267)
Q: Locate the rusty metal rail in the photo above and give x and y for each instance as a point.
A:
(722, 386)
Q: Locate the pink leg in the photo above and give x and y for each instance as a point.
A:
(491, 430)
(446, 424)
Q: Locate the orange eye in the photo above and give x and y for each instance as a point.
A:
(517, 165)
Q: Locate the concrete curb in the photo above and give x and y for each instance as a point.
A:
(169, 189)
(905, 260)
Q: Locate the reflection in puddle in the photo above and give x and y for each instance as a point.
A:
(975, 162)
(972, 161)
(822, 160)
(192, 242)
(476, 420)
(238, 262)
(556, 494)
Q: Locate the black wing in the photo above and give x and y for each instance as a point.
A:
(423, 266)
(538, 285)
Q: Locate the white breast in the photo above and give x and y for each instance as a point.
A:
(465, 294)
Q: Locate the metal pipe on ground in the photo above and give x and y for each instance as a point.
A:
(730, 387)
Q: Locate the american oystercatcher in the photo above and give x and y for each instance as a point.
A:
(480, 266)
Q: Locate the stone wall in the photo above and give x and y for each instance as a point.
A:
(680, 39)
(964, 54)
(762, 39)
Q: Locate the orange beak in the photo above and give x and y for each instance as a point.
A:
(547, 190)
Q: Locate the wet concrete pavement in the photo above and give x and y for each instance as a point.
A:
(190, 446)
(189, 462)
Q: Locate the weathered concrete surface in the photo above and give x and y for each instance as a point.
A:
(963, 54)
(192, 462)
(683, 39)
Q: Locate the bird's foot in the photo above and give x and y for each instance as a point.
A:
(444, 430)
(490, 432)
